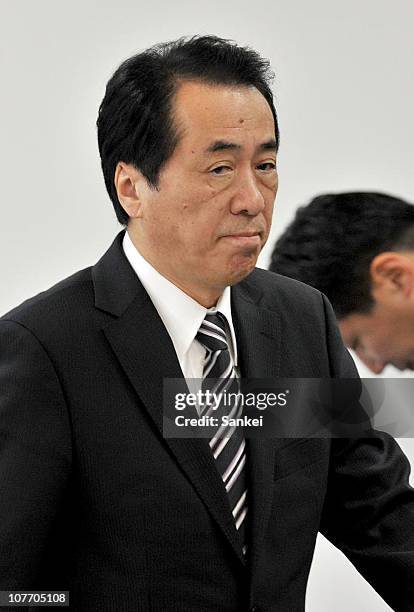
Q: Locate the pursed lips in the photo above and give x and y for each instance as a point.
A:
(249, 240)
(244, 234)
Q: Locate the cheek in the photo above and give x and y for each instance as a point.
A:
(197, 227)
(268, 213)
(384, 342)
(268, 217)
(378, 338)
(206, 216)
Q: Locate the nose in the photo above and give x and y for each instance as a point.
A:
(248, 198)
(375, 364)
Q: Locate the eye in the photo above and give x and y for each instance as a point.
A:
(221, 170)
(355, 345)
(267, 166)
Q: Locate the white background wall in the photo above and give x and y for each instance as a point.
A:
(344, 91)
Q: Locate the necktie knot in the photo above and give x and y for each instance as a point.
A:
(212, 332)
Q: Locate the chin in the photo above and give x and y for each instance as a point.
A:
(237, 274)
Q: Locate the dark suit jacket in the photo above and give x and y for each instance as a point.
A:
(95, 501)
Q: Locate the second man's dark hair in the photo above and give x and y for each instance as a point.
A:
(332, 241)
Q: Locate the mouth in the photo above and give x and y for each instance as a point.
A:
(408, 365)
(252, 241)
(247, 237)
(247, 233)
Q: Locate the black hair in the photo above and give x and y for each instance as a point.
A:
(135, 123)
(332, 241)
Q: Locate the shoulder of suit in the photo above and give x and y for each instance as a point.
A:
(291, 299)
(273, 285)
(56, 305)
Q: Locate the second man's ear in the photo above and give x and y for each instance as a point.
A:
(392, 274)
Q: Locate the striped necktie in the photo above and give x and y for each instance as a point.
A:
(228, 444)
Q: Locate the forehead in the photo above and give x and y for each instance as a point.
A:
(203, 111)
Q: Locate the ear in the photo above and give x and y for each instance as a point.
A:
(392, 275)
(127, 180)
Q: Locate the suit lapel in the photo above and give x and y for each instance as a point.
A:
(258, 332)
(145, 351)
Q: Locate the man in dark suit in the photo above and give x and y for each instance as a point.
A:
(94, 499)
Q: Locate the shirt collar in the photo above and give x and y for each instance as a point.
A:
(181, 315)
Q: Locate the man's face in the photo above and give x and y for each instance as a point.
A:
(384, 336)
(204, 227)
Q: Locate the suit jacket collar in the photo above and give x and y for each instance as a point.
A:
(115, 282)
(145, 351)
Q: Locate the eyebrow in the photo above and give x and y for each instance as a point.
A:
(225, 145)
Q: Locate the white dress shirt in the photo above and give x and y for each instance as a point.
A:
(181, 315)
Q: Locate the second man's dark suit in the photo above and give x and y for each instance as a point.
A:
(95, 501)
